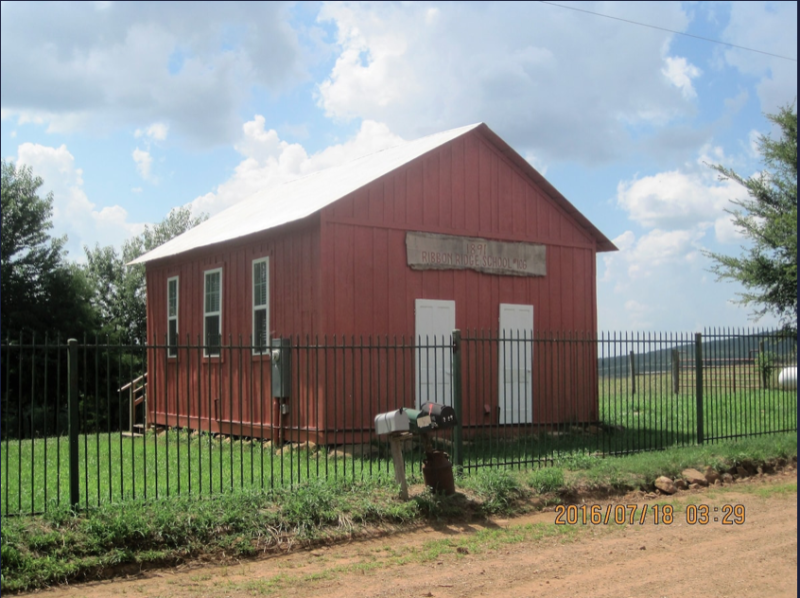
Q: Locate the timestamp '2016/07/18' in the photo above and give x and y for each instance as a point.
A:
(658, 514)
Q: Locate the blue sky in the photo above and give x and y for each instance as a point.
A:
(127, 110)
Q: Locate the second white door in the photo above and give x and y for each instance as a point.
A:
(515, 368)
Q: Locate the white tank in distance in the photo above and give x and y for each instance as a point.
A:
(788, 378)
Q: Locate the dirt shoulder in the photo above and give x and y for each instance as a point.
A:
(527, 556)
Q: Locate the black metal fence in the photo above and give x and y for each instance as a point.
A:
(90, 422)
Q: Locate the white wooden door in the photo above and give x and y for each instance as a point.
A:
(435, 322)
(515, 369)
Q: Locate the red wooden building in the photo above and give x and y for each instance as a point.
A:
(454, 230)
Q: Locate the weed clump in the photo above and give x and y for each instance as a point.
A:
(547, 479)
(498, 490)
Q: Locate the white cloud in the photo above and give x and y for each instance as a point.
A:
(144, 163)
(156, 131)
(137, 63)
(270, 161)
(73, 213)
(771, 27)
(680, 73)
(679, 198)
(660, 275)
(725, 231)
(532, 72)
(643, 257)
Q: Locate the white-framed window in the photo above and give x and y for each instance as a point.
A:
(212, 311)
(172, 316)
(260, 305)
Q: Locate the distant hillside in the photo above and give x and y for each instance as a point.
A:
(660, 360)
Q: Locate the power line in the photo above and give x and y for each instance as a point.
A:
(705, 39)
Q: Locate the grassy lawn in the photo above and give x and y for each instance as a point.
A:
(652, 419)
(35, 474)
(177, 462)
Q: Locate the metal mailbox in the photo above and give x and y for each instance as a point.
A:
(437, 469)
(393, 421)
(432, 416)
(442, 416)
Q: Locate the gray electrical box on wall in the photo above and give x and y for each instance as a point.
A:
(281, 367)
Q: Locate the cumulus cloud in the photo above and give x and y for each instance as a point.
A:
(771, 27)
(680, 198)
(144, 162)
(659, 264)
(83, 221)
(531, 71)
(641, 258)
(676, 215)
(74, 66)
(156, 132)
(680, 73)
(270, 161)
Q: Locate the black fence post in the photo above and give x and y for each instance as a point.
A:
(458, 441)
(73, 422)
(698, 368)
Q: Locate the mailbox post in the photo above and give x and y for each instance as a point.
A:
(400, 424)
(397, 425)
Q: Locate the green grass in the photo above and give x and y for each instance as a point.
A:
(115, 468)
(63, 545)
(640, 470)
(653, 418)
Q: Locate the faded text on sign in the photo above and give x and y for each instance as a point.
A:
(429, 251)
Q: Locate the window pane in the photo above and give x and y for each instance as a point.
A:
(259, 284)
(173, 338)
(172, 293)
(213, 339)
(212, 292)
(260, 332)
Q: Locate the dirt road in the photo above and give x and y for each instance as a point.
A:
(528, 556)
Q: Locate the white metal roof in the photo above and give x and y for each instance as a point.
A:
(300, 198)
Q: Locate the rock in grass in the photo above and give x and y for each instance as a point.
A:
(694, 477)
(711, 475)
(665, 484)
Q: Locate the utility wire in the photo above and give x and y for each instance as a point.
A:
(706, 39)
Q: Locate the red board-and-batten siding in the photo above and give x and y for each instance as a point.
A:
(222, 387)
(344, 272)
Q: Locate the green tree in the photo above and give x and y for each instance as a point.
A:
(120, 295)
(768, 219)
(41, 292)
